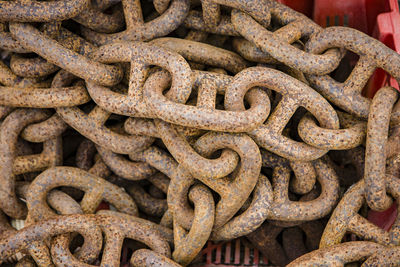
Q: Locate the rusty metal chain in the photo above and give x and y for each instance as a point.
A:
(13, 165)
(96, 189)
(35, 11)
(42, 230)
(294, 95)
(277, 44)
(116, 227)
(347, 253)
(373, 54)
(345, 217)
(56, 53)
(139, 30)
(149, 128)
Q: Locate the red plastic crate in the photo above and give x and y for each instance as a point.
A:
(232, 254)
(387, 30)
(378, 18)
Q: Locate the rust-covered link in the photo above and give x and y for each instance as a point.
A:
(37, 11)
(43, 97)
(54, 126)
(141, 56)
(146, 99)
(82, 224)
(12, 165)
(342, 254)
(257, 9)
(206, 117)
(81, 66)
(250, 219)
(345, 217)
(373, 54)
(116, 227)
(351, 136)
(204, 53)
(233, 192)
(92, 126)
(284, 209)
(149, 258)
(95, 188)
(63, 204)
(96, 19)
(278, 43)
(375, 150)
(295, 94)
(146, 202)
(139, 30)
(123, 167)
(188, 245)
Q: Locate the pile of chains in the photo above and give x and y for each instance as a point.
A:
(192, 121)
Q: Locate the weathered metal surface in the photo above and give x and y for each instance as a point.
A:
(341, 254)
(345, 217)
(196, 121)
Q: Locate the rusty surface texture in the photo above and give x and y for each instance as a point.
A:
(134, 133)
(345, 217)
(348, 252)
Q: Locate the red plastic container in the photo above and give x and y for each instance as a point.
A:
(304, 6)
(378, 18)
(387, 30)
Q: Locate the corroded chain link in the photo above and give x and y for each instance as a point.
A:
(347, 253)
(346, 218)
